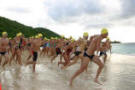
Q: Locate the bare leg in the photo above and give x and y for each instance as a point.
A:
(6, 60)
(34, 65)
(105, 58)
(29, 57)
(53, 58)
(61, 63)
(71, 63)
(30, 62)
(19, 57)
(20, 61)
(79, 71)
(99, 63)
(82, 63)
(12, 57)
(60, 57)
(0, 59)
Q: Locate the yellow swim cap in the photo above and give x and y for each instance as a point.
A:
(4, 33)
(19, 34)
(72, 40)
(104, 31)
(40, 35)
(45, 38)
(70, 37)
(62, 36)
(85, 34)
(36, 36)
(52, 38)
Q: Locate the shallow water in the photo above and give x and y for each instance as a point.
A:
(124, 48)
(118, 74)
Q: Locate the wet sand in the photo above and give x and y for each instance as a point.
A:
(118, 74)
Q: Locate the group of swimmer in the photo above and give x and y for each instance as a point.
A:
(87, 49)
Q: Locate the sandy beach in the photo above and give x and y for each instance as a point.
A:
(118, 74)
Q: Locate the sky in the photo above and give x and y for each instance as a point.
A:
(73, 17)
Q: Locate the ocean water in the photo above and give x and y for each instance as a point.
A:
(125, 48)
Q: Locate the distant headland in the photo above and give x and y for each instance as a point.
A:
(113, 42)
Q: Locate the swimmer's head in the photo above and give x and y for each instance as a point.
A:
(4, 34)
(19, 34)
(40, 35)
(62, 36)
(51, 37)
(10, 38)
(45, 38)
(73, 40)
(70, 37)
(36, 36)
(32, 37)
(85, 35)
(104, 32)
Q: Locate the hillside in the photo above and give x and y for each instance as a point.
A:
(13, 27)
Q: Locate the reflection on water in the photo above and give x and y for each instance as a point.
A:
(118, 74)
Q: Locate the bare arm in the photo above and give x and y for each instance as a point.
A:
(98, 45)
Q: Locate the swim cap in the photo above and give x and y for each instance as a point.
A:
(104, 31)
(70, 37)
(4, 33)
(19, 34)
(45, 38)
(72, 40)
(62, 36)
(85, 34)
(40, 35)
(36, 36)
(10, 38)
(52, 38)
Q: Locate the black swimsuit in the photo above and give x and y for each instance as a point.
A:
(35, 56)
(77, 53)
(58, 51)
(2, 53)
(89, 56)
(102, 53)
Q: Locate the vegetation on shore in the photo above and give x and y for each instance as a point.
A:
(14, 27)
